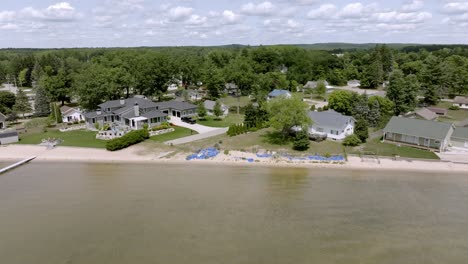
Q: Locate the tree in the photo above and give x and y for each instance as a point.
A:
(341, 101)
(217, 111)
(301, 141)
(361, 130)
(201, 111)
(7, 100)
(22, 77)
(351, 140)
(361, 106)
(286, 113)
(255, 116)
(321, 89)
(58, 86)
(402, 91)
(374, 115)
(214, 83)
(22, 105)
(41, 103)
(337, 77)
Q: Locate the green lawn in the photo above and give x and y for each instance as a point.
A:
(231, 101)
(230, 119)
(375, 147)
(178, 133)
(77, 138)
(453, 116)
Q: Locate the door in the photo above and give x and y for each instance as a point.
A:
(178, 114)
(174, 113)
(427, 142)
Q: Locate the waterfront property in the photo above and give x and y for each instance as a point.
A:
(132, 112)
(8, 137)
(423, 113)
(2, 121)
(461, 101)
(279, 93)
(438, 111)
(459, 137)
(332, 124)
(313, 84)
(71, 114)
(177, 109)
(210, 105)
(424, 134)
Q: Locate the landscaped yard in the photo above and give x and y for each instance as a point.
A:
(231, 101)
(178, 133)
(453, 116)
(375, 147)
(77, 138)
(230, 119)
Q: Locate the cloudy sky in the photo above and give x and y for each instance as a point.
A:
(104, 23)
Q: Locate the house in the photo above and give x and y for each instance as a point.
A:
(231, 88)
(354, 83)
(278, 93)
(461, 101)
(70, 114)
(438, 111)
(460, 137)
(313, 84)
(172, 87)
(132, 112)
(463, 123)
(422, 113)
(419, 133)
(333, 124)
(177, 109)
(209, 106)
(8, 137)
(2, 121)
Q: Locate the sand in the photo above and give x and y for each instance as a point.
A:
(137, 154)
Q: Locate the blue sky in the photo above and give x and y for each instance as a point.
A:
(123, 23)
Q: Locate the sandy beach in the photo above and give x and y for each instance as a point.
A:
(137, 154)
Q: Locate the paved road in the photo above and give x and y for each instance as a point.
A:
(212, 133)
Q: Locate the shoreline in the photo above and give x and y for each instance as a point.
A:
(138, 155)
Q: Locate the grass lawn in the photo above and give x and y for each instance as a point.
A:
(230, 119)
(178, 133)
(453, 116)
(77, 138)
(374, 146)
(231, 101)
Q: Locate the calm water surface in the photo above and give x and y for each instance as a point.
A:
(53, 213)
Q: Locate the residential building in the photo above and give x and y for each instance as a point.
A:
(438, 111)
(333, 124)
(133, 112)
(8, 137)
(354, 83)
(231, 88)
(463, 123)
(422, 113)
(2, 121)
(71, 114)
(279, 93)
(209, 106)
(419, 133)
(313, 84)
(177, 109)
(461, 101)
(459, 137)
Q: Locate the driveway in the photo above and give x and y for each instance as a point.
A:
(201, 129)
(458, 155)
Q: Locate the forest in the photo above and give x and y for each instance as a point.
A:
(94, 75)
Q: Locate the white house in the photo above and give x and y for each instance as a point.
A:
(461, 102)
(209, 106)
(8, 137)
(333, 124)
(70, 114)
(278, 93)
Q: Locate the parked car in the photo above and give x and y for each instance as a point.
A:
(189, 120)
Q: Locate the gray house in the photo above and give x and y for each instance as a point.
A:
(313, 84)
(132, 112)
(460, 137)
(8, 137)
(177, 109)
(423, 113)
(2, 121)
(210, 105)
(332, 124)
(419, 133)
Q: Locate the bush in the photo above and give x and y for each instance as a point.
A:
(75, 122)
(82, 121)
(235, 130)
(161, 127)
(301, 141)
(131, 138)
(454, 107)
(312, 108)
(352, 141)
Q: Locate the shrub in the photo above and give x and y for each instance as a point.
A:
(454, 107)
(96, 125)
(82, 121)
(75, 122)
(352, 141)
(301, 141)
(161, 127)
(131, 138)
(312, 108)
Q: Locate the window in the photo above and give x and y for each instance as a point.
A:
(105, 119)
(94, 120)
(108, 109)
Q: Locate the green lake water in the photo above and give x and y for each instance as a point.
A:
(64, 213)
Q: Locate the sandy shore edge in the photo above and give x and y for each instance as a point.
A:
(138, 155)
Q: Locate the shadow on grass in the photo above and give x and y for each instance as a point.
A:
(276, 138)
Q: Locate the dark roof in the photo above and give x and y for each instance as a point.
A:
(438, 110)
(67, 110)
(460, 100)
(175, 105)
(154, 114)
(330, 119)
(142, 102)
(94, 114)
(8, 134)
(460, 132)
(418, 128)
(424, 113)
(2, 117)
(278, 92)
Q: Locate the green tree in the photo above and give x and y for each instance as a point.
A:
(217, 111)
(256, 116)
(22, 105)
(7, 100)
(58, 86)
(201, 111)
(374, 116)
(402, 91)
(352, 141)
(41, 102)
(321, 88)
(341, 101)
(337, 77)
(214, 83)
(301, 141)
(360, 106)
(361, 130)
(22, 77)
(286, 113)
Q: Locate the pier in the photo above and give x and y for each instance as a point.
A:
(17, 164)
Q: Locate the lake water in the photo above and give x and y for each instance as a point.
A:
(64, 213)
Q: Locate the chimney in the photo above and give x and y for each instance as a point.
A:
(98, 111)
(122, 101)
(136, 108)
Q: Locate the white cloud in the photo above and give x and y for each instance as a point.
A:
(9, 26)
(324, 11)
(353, 10)
(7, 16)
(455, 7)
(62, 11)
(196, 20)
(180, 13)
(262, 9)
(396, 17)
(229, 17)
(413, 6)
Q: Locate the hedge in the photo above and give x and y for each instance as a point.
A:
(131, 138)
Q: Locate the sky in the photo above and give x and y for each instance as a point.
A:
(130, 23)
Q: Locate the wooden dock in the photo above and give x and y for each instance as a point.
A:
(17, 164)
